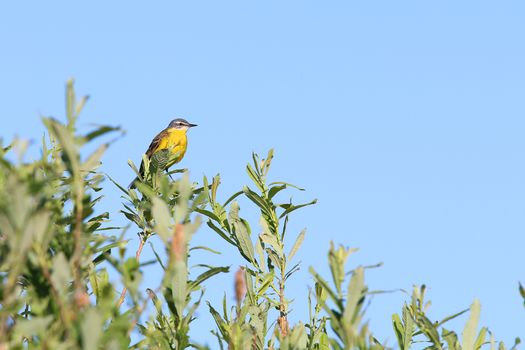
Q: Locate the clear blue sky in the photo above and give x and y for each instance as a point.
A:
(406, 119)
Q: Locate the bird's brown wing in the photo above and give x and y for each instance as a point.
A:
(155, 142)
(153, 146)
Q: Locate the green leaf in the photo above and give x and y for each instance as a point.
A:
(260, 254)
(408, 329)
(157, 257)
(162, 216)
(117, 244)
(66, 141)
(480, 340)
(297, 244)
(274, 258)
(91, 328)
(287, 184)
(71, 103)
(201, 247)
(116, 184)
(61, 275)
(134, 167)
(185, 190)
(99, 283)
(245, 243)
(492, 342)
(517, 341)
(272, 241)
(242, 233)
(93, 160)
(324, 342)
(220, 232)
(337, 260)
(255, 177)
(208, 274)
(101, 131)
(232, 197)
(266, 282)
(258, 200)
(266, 162)
(34, 326)
(156, 302)
(216, 181)
(298, 338)
(207, 213)
(178, 286)
(452, 340)
(469, 332)
(522, 292)
(399, 330)
(448, 318)
(326, 287)
(295, 207)
(430, 330)
(224, 328)
(130, 272)
(274, 190)
(292, 270)
(354, 296)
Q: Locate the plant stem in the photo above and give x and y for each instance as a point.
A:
(137, 256)
(282, 321)
(63, 314)
(77, 234)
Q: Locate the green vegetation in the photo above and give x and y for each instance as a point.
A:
(56, 248)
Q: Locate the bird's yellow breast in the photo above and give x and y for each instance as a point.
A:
(177, 142)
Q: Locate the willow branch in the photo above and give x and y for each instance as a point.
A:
(137, 256)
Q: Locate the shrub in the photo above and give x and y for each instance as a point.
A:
(56, 248)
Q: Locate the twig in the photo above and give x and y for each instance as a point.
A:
(64, 317)
(140, 311)
(137, 256)
(282, 320)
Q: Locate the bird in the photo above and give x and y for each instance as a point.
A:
(173, 139)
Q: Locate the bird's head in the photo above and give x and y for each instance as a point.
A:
(181, 124)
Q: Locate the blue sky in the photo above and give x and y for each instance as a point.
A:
(404, 118)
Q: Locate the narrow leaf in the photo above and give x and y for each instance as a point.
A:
(354, 296)
(399, 330)
(178, 286)
(298, 241)
(469, 332)
(409, 328)
(295, 207)
(208, 274)
(162, 217)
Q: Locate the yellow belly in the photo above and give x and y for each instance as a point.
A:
(176, 142)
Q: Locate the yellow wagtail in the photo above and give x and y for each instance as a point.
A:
(173, 138)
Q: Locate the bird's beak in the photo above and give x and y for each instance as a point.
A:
(190, 125)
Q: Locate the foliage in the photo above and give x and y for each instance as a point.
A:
(65, 272)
